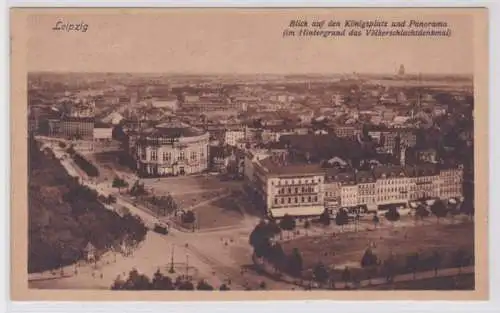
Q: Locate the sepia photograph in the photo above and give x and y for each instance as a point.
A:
(306, 151)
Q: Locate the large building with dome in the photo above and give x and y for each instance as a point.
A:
(171, 149)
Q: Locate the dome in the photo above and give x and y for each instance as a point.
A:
(175, 130)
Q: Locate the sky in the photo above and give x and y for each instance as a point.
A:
(235, 41)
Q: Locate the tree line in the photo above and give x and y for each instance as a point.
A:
(159, 281)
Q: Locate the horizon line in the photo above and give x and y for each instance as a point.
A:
(250, 73)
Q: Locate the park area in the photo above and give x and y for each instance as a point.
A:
(225, 211)
(461, 282)
(346, 249)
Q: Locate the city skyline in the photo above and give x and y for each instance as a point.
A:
(212, 42)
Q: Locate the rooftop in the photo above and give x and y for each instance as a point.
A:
(173, 130)
(279, 166)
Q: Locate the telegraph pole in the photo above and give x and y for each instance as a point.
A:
(171, 270)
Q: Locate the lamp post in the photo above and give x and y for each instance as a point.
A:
(171, 271)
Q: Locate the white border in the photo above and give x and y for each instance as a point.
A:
(268, 306)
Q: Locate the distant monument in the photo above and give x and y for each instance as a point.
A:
(401, 71)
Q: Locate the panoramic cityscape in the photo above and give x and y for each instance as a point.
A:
(251, 182)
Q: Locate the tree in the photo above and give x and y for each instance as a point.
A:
(392, 215)
(224, 287)
(421, 212)
(369, 258)
(119, 183)
(137, 281)
(259, 240)
(390, 268)
(161, 282)
(71, 150)
(342, 218)
(436, 261)
(277, 256)
(273, 228)
(307, 225)
(111, 199)
(459, 259)
(320, 273)
(375, 220)
(324, 218)
(346, 275)
(412, 261)
(183, 284)
(203, 285)
(118, 284)
(288, 223)
(295, 263)
(137, 189)
(438, 208)
(188, 217)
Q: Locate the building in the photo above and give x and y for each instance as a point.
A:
(72, 127)
(392, 185)
(424, 181)
(367, 189)
(348, 189)
(253, 156)
(103, 132)
(170, 103)
(233, 135)
(346, 131)
(452, 180)
(220, 158)
(293, 189)
(332, 190)
(172, 148)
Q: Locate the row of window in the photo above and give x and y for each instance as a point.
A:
(167, 156)
(289, 200)
(297, 182)
(295, 190)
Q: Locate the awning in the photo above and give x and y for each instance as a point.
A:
(297, 211)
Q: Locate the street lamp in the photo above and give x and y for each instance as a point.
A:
(187, 265)
(171, 270)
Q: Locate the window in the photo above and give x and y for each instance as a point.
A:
(154, 155)
(289, 200)
(315, 198)
(296, 190)
(193, 156)
(296, 199)
(289, 190)
(282, 201)
(309, 199)
(167, 156)
(275, 200)
(302, 199)
(182, 155)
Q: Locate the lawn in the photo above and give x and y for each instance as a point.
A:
(462, 282)
(222, 212)
(347, 249)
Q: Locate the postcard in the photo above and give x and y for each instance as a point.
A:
(249, 154)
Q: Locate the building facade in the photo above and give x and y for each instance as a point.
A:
(293, 189)
(172, 149)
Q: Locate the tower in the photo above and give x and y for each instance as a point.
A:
(401, 71)
(402, 155)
